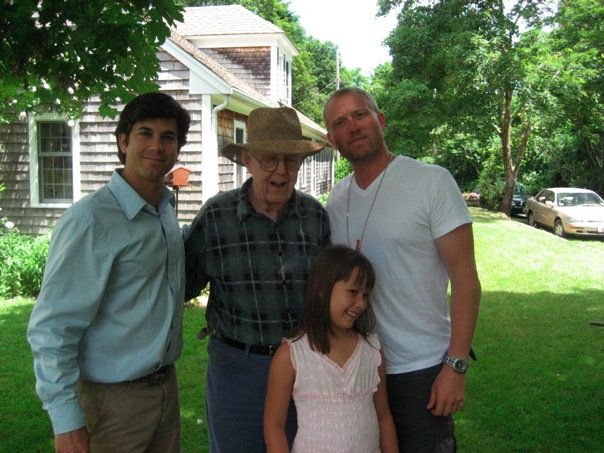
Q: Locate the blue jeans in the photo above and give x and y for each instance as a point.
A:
(417, 430)
(235, 392)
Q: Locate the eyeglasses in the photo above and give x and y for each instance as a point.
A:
(269, 163)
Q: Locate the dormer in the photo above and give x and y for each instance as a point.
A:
(255, 50)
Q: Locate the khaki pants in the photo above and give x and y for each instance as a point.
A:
(132, 416)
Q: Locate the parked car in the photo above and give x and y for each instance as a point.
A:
(567, 210)
(519, 199)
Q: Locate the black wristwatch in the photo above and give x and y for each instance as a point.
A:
(460, 366)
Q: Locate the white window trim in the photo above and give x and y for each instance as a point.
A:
(238, 124)
(34, 180)
(281, 80)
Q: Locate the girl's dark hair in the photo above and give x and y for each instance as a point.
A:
(335, 263)
(149, 106)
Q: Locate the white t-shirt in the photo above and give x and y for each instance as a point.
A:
(416, 204)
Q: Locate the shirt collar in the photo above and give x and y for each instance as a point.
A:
(129, 199)
(246, 209)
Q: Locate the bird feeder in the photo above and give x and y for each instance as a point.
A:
(178, 177)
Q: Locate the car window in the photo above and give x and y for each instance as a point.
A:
(566, 199)
(588, 199)
(549, 196)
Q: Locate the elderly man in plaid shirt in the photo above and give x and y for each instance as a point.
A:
(254, 245)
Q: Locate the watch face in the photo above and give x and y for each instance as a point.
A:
(461, 366)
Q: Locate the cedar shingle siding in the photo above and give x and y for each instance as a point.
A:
(250, 64)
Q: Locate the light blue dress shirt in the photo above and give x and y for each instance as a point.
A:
(112, 298)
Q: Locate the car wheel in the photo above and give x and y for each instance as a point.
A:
(531, 219)
(558, 228)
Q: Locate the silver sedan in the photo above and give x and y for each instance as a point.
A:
(567, 210)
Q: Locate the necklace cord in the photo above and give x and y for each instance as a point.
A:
(359, 242)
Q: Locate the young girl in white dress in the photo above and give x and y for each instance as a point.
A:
(332, 366)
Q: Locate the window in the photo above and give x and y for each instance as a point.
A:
(283, 78)
(53, 160)
(303, 173)
(239, 171)
(287, 80)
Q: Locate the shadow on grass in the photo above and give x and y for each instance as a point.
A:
(481, 215)
(537, 385)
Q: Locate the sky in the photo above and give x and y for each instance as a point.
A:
(351, 25)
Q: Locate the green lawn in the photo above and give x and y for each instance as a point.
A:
(537, 386)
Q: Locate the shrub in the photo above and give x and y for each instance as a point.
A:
(322, 198)
(343, 169)
(491, 184)
(22, 260)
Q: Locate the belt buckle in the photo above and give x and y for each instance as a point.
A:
(272, 349)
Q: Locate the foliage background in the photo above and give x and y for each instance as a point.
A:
(498, 91)
(494, 91)
(55, 54)
(22, 260)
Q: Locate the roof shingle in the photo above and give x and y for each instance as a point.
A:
(210, 20)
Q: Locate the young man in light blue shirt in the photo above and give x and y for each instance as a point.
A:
(107, 325)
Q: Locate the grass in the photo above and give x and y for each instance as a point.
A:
(537, 385)
(24, 426)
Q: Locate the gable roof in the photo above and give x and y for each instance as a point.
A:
(230, 26)
(207, 27)
(238, 85)
(209, 20)
(203, 58)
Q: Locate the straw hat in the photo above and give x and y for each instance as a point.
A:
(273, 131)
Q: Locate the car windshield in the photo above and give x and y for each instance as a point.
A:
(579, 199)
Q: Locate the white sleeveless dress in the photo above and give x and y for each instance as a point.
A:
(336, 412)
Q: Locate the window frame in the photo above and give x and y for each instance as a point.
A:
(284, 77)
(240, 173)
(34, 159)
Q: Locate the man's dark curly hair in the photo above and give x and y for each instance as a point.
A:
(149, 106)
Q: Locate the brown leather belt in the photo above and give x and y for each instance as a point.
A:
(158, 377)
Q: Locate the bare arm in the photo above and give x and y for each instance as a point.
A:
(281, 377)
(388, 441)
(457, 252)
(76, 441)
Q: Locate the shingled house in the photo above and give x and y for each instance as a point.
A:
(220, 63)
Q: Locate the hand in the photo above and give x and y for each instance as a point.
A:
(76, 441)
(447, 393)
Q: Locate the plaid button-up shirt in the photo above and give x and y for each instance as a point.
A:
(257, 268)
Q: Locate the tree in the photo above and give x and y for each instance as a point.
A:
(56, 54)
(465, 67)
(579, 91)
